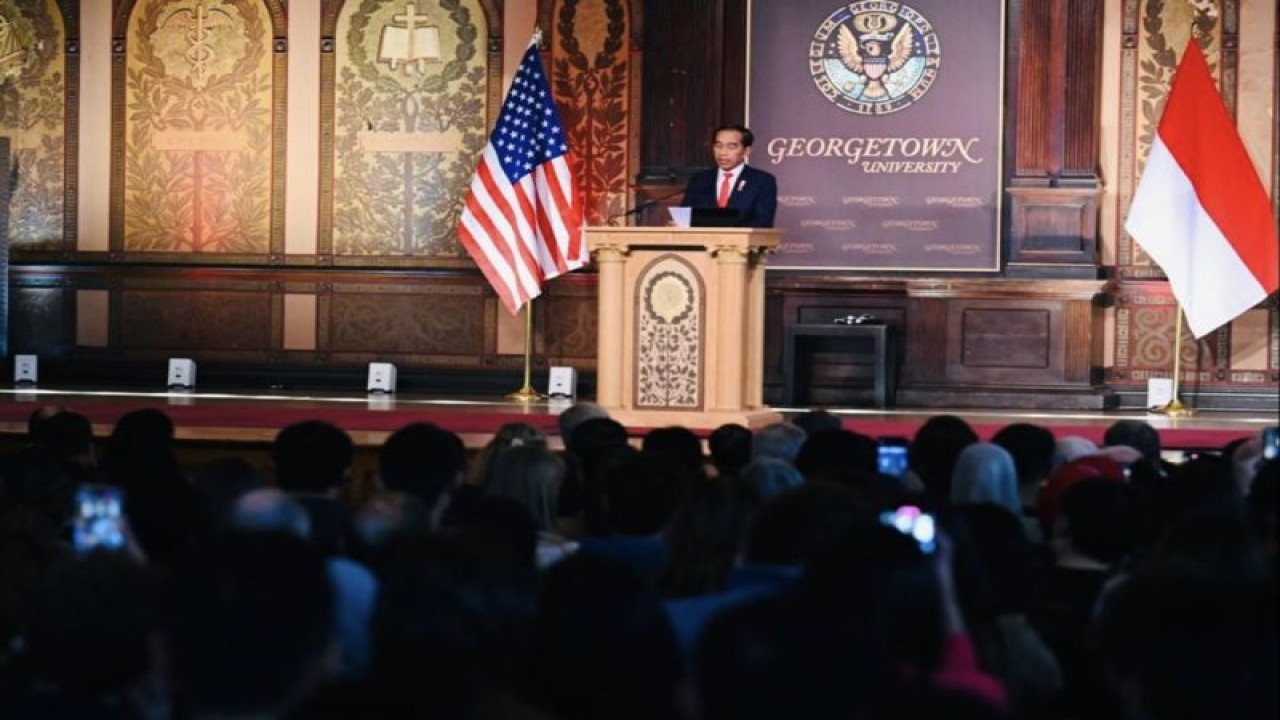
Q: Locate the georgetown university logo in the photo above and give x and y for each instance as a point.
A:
(874, 57)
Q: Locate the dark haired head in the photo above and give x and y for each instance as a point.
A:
(730, 447)
(1136, 434)
(1032, 449)
(680, 445)
(594, 434)
(312, 456)
(814, 421)
(575, 415)
(421, 459)
(64, 437)
(139, 450)
(935, 449)
(748, 137)
(837, 455)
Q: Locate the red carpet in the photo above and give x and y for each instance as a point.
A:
(203, 415)
(256, 413)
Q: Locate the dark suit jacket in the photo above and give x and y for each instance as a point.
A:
(755, 195)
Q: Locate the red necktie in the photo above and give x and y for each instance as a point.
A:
(723, 199)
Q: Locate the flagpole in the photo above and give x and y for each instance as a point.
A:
(1175, 408)
(527, 393)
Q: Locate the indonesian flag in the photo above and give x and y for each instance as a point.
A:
(1200, 210)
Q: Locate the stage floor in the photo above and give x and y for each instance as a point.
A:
(256, 417)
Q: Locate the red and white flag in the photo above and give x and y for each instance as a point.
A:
(1200, 210)
(522, 218)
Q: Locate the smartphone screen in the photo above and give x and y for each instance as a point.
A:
(99, 518)
(1271, 443)
(914, 523)
(891, 459)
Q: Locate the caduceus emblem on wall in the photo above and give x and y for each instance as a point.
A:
(199, 23)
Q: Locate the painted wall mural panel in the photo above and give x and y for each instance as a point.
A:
(410, 119)
(590, 73)
(198, 128)
(32, 114)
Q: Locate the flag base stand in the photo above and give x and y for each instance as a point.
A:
(1175, 408)
(525, 394)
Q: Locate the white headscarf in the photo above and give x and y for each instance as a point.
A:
(985, 473)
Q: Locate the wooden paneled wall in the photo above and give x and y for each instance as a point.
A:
(681, 65)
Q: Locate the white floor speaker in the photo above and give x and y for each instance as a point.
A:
(182, 373)
(382, 378)
(562, 381)
(1159, 392)
(25, 369)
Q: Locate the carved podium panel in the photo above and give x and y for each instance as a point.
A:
(681, 316)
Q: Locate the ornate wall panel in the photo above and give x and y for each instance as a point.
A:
(41, 319)
(199, 93)
(1153, 35)
(569, 327)
(35, 73)
(405, 119)
(427, 325)
(179, 318)
(591, 77)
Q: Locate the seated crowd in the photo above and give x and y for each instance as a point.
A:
(785, 573)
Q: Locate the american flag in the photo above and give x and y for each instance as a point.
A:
(522, 219)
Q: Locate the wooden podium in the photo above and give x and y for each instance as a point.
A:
(681, 316)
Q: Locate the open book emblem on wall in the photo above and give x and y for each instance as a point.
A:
(410, 43)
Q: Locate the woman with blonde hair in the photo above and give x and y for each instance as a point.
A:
(532, 475)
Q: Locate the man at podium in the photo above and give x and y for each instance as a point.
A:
(743, 195)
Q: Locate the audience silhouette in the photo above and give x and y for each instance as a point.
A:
(777, 574)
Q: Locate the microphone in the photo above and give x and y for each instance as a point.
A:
(645, 205)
